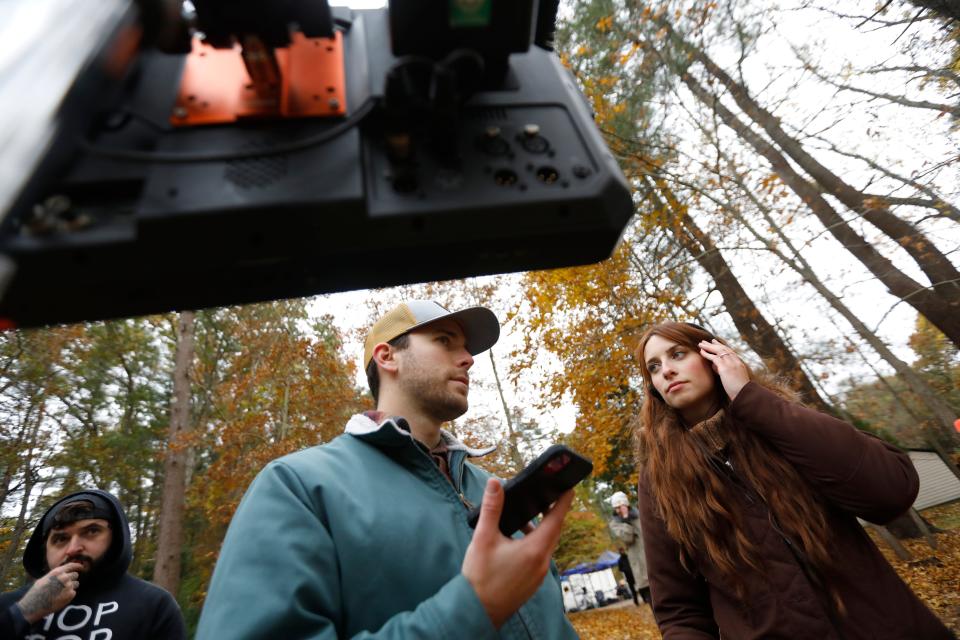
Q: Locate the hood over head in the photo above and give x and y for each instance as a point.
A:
(118, 556)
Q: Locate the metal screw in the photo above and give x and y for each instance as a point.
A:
(334, 103)
(492, 132)
(179, 112)
(531, 130)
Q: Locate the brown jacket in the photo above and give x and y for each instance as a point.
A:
(858, 475)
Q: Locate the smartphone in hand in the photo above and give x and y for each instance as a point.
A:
(533, 490)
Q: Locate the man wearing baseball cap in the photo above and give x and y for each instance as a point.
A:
(78, 556)
(367, 536)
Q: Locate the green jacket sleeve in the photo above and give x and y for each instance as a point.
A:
(265, 588)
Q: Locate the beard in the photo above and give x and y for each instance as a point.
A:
(89, 564)
(429, 387)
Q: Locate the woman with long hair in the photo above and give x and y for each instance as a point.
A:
(749, 505)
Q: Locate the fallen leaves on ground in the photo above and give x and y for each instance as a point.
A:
(622, 621)
(945, 516)
(934, 575)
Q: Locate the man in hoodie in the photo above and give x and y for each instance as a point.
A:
(625, 526)
(78, 556)
(367, 536)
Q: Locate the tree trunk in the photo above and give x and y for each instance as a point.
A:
(512, 435)
(166, 572)
(910, 526)
(29, 481)
(19, 528)
(753, 327)
(944, 277)
(948, 9)
(940, 410)
(137, 525)
(922, 526)
(934, 307)
(892, 541)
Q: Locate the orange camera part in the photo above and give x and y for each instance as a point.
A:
(303, 80)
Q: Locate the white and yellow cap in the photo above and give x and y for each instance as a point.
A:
(480, 325)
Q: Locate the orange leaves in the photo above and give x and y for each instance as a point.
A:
(589, 317)
(604, 24)
(770, 182)
(934, 575)
(273, 385)
(621, 621)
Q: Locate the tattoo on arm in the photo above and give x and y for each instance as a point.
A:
(41, 599)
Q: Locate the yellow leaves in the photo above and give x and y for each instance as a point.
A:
(604, 24)
(621, 621)
(590, 317)
(584, 537)
(280, 389)
(934, 575)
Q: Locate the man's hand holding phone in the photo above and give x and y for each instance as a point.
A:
(506, 572)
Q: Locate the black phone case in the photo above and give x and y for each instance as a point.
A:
(537, 486)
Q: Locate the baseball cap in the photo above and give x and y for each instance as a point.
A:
(99, 508)
(480, 325)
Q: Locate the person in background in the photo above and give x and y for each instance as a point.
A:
(78, 555)
(628, 582)
(749, 504)
(367, 536)
(625, 526)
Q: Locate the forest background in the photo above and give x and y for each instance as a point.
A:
(795, 172)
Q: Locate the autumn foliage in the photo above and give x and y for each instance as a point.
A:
(93, 404)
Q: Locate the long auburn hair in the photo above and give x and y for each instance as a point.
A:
(699, 505)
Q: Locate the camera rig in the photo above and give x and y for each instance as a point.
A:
(257, 150)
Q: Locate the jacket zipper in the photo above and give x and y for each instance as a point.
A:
(459, 488)
(469, 505)
(433, 465)
(798, 554)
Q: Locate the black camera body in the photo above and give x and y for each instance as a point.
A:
(452, 172)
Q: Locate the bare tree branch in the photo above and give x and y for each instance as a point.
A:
(889, 97)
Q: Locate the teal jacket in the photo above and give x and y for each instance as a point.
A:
(362, 537)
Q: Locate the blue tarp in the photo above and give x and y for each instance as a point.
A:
(583, 567)
(606, 560)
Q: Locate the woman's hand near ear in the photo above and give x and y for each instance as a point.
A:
(728, 365)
